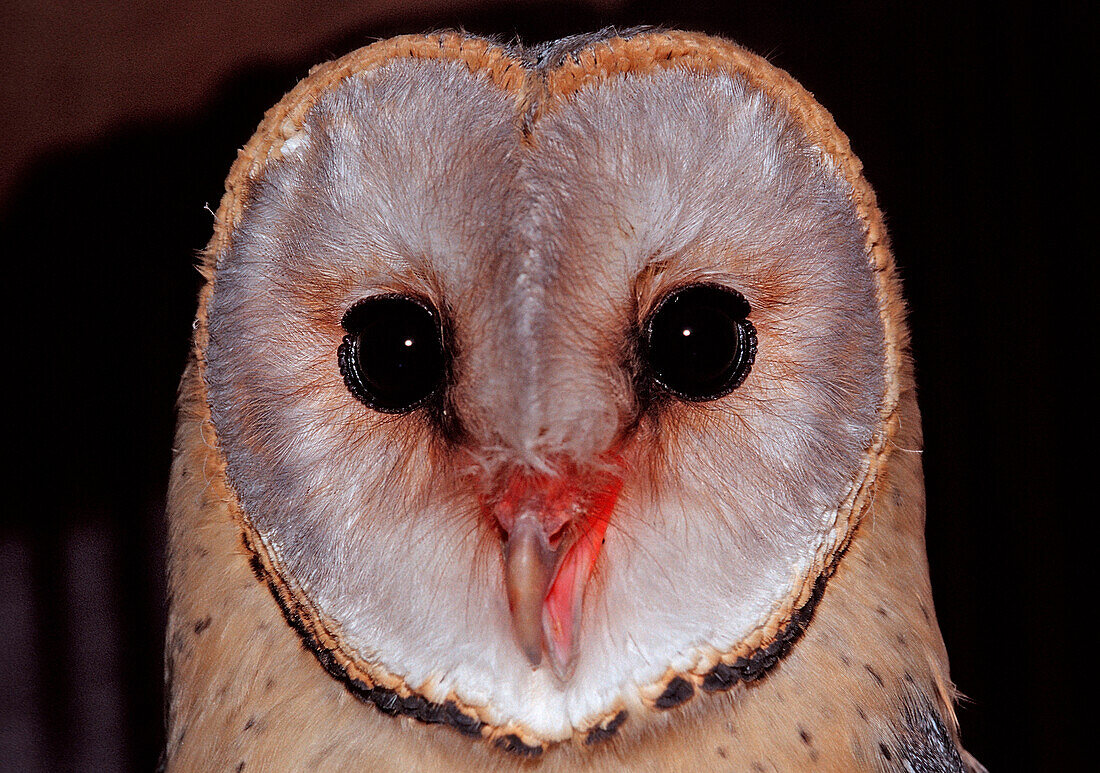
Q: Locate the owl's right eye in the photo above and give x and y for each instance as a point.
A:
(393, 357)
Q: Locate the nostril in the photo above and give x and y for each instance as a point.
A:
(555, 537)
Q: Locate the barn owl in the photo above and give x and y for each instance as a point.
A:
(551, 408)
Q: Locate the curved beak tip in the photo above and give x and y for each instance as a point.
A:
(545, 585)
(529, 565)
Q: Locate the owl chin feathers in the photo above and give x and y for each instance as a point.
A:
(622, 523)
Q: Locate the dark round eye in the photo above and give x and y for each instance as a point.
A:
(392, 357)
(699, 342)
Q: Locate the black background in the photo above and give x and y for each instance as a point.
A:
(944, 107)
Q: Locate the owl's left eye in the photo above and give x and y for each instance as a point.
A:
(699, 343)
(392, 357)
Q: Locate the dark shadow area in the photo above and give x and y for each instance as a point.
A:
(101, 243)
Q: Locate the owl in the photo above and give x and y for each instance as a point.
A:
(551, 408)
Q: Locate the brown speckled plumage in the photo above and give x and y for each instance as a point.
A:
(846, 671)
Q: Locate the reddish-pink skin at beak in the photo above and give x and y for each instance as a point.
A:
(573, 511)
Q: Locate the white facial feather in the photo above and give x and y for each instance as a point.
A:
(544, 255)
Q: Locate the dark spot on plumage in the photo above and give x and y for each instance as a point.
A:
(676, 692)
(791, 632)
(202, 625)
(804, 614)
(874, 675)
(898, 496)
(900, 639)
(766, 663)
(721, 752)
(429, 713)
(924, 611)
(774, 649)
(414, 706)
(861, 713)
(256, 566)
(512, 743)
(463, 723)
(387, 701)
(269, 684)
(909, 678)
(605, 731)
(884, 750)
(806, 737)
(721, 677)
(240, 766)
(250, 723)
(845, 660)
(881, 610)
(758, 766)
(326, 658)
(752, 671)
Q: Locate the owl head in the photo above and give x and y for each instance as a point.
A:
(549, 384)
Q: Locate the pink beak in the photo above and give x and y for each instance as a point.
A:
(554, 528)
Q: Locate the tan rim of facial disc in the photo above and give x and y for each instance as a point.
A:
(536, 93)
